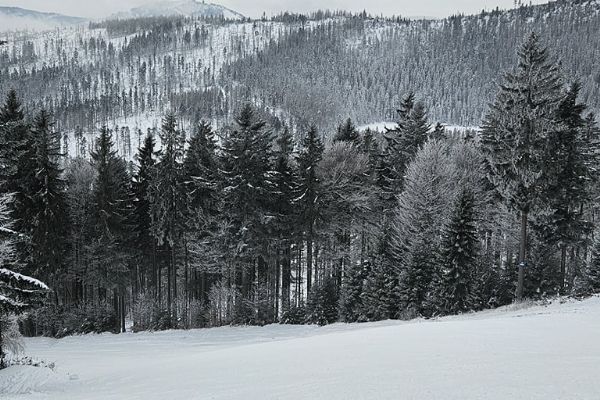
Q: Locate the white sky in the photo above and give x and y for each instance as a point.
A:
(255, 8)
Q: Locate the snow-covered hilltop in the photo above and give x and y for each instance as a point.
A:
(16, 18)
(186, 8)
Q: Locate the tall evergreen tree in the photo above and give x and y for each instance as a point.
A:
(203, 184)
(11, 110)
(16, 168)
(110, 217)
(201, 167)
(516, 131)
(284, 182)
(47, 216)
(140, 217)
(309, 157)
(347, 132)
(571, 157)
(169, 202)
(403, 141)
(459, 258)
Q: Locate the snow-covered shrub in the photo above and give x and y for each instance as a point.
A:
(198, 314)
(144, 310)
(256, 310)
(32, 362)
(222, 304)
(12, 345)
(321, 306)
(295, 315)
(60, 321)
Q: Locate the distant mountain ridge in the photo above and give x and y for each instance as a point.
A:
(188, 8)
(17, 18)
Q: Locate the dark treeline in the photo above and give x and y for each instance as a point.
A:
(254, 225)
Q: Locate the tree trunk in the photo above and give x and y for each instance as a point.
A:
(563, 267)
(2, 365)
(522, 248)
(309, 256)
(174, 280)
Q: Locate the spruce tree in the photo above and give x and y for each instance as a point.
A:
(248, 186)
(459, 258)
(110, 216)
(347, 132)
(201, 167)
(17, 170)
(308, 188)
(140, 216)
(47, 216)
(284, 182)
(403, 141)
(516, 131)
(350, 306)
(202, 180)
(570, 173)
(11, 110)
(379, 297)
(169, 203)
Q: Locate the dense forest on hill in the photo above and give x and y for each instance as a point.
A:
(302, 69)
(361, 67)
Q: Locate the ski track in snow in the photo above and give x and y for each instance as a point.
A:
(535, 352)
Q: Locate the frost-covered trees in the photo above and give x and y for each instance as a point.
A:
(422, 212)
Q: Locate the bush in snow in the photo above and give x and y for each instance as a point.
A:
(321, 306)
(61, 321)
(11, 341)
(295, 315)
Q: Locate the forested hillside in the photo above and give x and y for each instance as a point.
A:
(361, 67)
(314, 69)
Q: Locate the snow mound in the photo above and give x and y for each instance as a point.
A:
(26, 379)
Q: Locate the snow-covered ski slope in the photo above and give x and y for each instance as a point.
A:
(539, 352)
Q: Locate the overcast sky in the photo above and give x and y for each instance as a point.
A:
(254, 8)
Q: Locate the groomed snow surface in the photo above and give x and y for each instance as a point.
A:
(536, 352)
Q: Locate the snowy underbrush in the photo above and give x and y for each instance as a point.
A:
(59, 321)
(29, 361)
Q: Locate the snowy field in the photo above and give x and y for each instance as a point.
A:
(539, 352)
